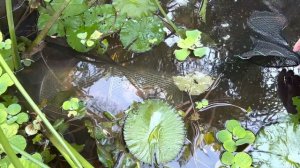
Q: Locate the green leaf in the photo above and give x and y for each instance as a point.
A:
(182, 54)
(13, 109)
(277, 145)
(136, 35)
(191, 40)
(239, 132)
(10, 130)
(193, 83)
(229, 145)
(231, 124)
(11, 119)
(224, 135)
(5, 79)
(56, 29)
(3, 113)
(3, 88)
(200, 52)
(75, 7)
(82, 35)
(105, 18)
(243, 160)
(18, 141)
(248, 139)
(135, 8)
(153, 130)
(22, 118)
(227, 158)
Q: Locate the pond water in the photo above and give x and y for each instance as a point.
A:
(242, 83)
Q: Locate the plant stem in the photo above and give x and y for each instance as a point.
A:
(167, 18)
(11, 27)
(46, 29)
(38, 111)
(8, 150)
(29, 157)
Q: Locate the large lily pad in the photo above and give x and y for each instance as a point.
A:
(154, 131)
(277, 146)
(141, 34)
(194, 83)
(135, 8)
(75, 7)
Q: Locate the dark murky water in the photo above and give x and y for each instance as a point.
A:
(242, 84)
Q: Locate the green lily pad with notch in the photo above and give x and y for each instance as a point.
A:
(277, 145)
(154, 131)
(224, 135)
(141, 34)
(231, 124)
(105, 17)
(13, 109)
(135, 8)
(227, 158)
(248, 139)
(243, 160)
(75, 7)
(182, 54)
(229, 145)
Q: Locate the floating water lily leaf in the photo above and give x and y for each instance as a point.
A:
(231, 124)
(224, 135)
(227, 158)
(249, 138)
(141, 34)
(135, 8)
(153, 131)
(18, 141)
(242, 159)
(194, 83)
(182, 54)
(105, 17)
(75, 7)
(277, 146)
(229, 145)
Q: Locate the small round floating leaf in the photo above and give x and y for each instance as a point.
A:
(182, 54)
(3, 88)
(229, 145)
(224, 135)
(248, 139)
(227, 158)
(6, 80)
(13, 109)
(239, 132)
(22, 117)
(242, 159)
(153, 130)
(231, 124)
(200, 52)
(18, 141)
(3, 115)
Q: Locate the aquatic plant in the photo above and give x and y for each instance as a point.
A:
(233, 136)
(190, 43)
(277, 145)
(154, 132)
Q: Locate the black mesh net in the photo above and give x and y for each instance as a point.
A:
(271, 50)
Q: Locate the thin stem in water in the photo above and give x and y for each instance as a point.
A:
(9, 151)
(38, 111)
(11, 27)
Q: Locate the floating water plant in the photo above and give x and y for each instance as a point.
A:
(154, 132)
(233, 136)
(277, 146)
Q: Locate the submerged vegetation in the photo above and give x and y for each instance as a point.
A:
(155, 131)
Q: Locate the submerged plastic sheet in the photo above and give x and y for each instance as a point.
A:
(271, 50)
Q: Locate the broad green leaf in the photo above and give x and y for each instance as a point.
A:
(75, 7)
(73, 22)
(248, 139)
(229, 145)
(135, 8)
(231, 124)
(193, 83)
(13, 109)
(227, 158)
(137, 34)
(105, 18)
(277, 145)
(243, 160)
(22, 118)
(3, 88)
(10, 130)
(153, 131)
(224, 135)
(5, 79)
(56, 29)
(18, 141)
(200, 52)
(182, 54)
(239, 132)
